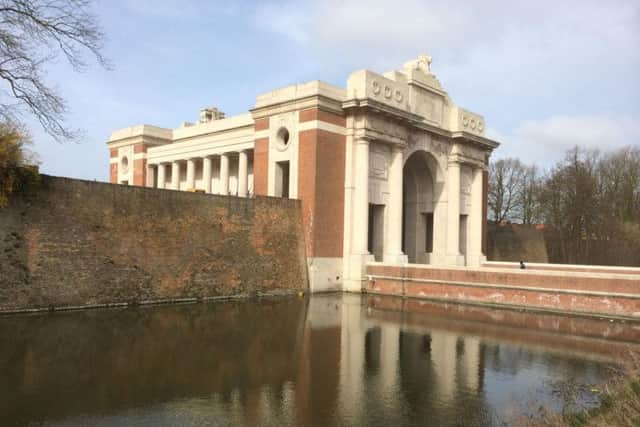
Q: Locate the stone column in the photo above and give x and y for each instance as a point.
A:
(243, 174)
(161, 175)
(151, 175)
(206, 173)
(393, 241)
(224, 174)
(191, 174)
(175, 175)
(476, 219)
(453, 214)
(361, 198)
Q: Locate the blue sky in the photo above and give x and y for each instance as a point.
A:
(546, 75)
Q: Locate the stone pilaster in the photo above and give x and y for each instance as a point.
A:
(359, 255)
(393, 239)
(361, 197)
(453, 213)
(475, 256)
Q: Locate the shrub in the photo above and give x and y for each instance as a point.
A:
(18, 168)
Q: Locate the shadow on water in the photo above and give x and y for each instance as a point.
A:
(328, 360)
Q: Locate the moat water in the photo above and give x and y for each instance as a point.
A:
(325, 360)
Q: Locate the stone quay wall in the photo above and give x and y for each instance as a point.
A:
(77, 244)
(577, 292)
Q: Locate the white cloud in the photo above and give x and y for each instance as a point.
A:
(392, 30)
(546, 75)
(546, 141)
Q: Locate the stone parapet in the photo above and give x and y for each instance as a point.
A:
(597, 294)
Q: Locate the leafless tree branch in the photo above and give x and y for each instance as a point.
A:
(33, 33)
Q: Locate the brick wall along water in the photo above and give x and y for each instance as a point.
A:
(79, 243)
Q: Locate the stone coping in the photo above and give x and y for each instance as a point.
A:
(510, 287)
(531, 272)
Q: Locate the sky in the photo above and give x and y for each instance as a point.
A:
(546, 75)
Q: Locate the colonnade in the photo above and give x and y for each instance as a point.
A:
(157, 173)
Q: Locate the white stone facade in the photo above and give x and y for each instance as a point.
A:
(388, 169)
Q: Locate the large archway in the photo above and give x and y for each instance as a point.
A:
(419, 195)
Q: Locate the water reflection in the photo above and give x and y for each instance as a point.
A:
(330, 360)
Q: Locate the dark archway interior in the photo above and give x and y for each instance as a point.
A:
(418, 208)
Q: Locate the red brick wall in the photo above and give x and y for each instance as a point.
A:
(562, 292)
(113, 176)
(140, 172)
(513, 278)
(261, 166)
(311, 114)
(85, 242)
(330, 169)
(307, 159)
(261, 124)
(321, 160)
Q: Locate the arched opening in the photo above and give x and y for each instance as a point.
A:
(419, 202)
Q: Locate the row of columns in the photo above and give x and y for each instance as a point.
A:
(207, 162)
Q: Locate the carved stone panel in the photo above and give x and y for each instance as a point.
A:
(366, 84)
(385, 128)
(379, 161)
(467, 121)
(427, 104)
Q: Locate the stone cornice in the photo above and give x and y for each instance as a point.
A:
(476, 140)
(319, 101)
(138, 139)
(381, 108)
(464, 159)
(415, 121)
(375, 135)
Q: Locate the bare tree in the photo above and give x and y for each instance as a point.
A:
(32, 34)
(589, 202)
(505, 181)
(528, 204)
(571, 205)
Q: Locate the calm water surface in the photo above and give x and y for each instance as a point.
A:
(330, 360)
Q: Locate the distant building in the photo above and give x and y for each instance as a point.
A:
(388, 169)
